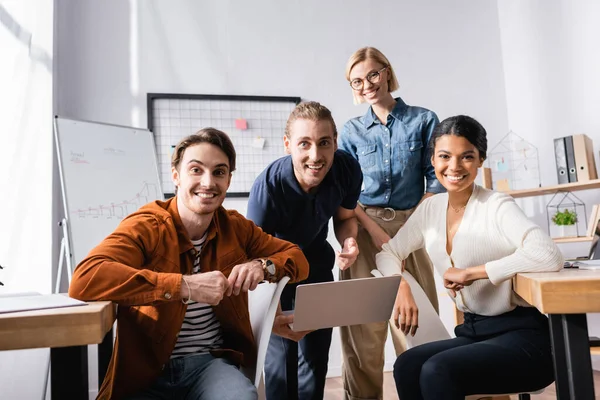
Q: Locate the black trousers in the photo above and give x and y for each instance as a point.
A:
(297, 370)
(508, 353)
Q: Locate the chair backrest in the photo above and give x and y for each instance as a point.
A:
(262, 305)
(431, 327)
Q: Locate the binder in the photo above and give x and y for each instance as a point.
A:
(560, 155)
(583, 149)
(593, 221)
(571, 168)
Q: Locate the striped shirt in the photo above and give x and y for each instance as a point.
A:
(200, 331)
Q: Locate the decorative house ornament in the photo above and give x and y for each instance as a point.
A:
(514, 163)
(566, 215)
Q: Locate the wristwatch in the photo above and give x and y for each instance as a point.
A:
(268, 269)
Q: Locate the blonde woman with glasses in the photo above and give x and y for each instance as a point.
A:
(390, 143)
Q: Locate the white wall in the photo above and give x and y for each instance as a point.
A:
(447, 56)
(551, 63)
(26, 174)
(111, 53)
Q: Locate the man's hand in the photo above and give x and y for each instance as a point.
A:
(406, 312)
(379, 237)
(282, 328)
(348, 255)
(206, 287)
(244, 277)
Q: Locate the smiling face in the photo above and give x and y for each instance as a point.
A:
(455, 161)
(312, 145)
(371, 93)
(202, 179)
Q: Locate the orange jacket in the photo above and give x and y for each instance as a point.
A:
(139, 267)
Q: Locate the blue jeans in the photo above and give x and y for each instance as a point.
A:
(200, 377)
(297, 370)
(508, 353)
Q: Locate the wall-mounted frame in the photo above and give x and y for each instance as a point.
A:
(255, 124)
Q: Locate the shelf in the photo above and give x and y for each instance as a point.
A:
(573, 239)
(565, 187)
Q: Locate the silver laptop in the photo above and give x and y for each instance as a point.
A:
(343, 303)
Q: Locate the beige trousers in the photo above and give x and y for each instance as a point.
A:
(363, 345)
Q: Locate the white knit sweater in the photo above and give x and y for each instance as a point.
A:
(494, 231)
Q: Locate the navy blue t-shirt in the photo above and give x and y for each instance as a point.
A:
(281, 208)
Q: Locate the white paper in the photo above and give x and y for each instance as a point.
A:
(258, 143)
(18, 302)
(589, 264)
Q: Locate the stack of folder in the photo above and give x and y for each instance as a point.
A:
(575, 159)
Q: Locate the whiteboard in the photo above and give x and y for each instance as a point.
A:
(107, 172)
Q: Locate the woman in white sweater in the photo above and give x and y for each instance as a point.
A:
(478, 240)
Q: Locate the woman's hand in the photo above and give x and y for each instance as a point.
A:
(406, 312)
(379, 237)
(456, 279)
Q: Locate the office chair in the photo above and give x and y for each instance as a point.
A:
(262, 306)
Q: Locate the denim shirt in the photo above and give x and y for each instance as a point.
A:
(394, 158)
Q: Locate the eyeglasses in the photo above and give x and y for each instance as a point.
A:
(373, 77)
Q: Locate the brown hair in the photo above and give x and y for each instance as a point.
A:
(312, 111)
(207, 135)
(371, 53)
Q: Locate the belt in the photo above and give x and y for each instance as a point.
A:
(387, 214)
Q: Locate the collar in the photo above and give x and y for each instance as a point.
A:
(397, 112)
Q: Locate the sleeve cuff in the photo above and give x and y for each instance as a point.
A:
(496, 273)
(388, 264)
(169, 287)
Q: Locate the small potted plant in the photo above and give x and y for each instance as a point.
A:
(566, 220)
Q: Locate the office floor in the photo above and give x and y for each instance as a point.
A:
(334, 389)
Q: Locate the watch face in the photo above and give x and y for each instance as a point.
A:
(270, 267)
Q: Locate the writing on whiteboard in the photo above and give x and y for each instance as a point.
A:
(78, 158)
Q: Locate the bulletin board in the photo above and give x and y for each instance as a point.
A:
(255, 124)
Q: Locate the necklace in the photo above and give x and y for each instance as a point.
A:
(457, 210)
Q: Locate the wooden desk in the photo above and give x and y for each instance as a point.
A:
(566, 296)
(67, 331)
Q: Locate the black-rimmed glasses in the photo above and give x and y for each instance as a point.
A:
(373, 77)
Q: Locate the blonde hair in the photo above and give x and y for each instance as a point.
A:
(371, 53)
(312, 111)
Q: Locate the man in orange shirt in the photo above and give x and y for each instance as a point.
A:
(180, 271)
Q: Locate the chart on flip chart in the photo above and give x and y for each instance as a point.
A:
(255, 124)
(107, 173)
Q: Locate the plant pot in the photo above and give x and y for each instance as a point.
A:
(567, 230)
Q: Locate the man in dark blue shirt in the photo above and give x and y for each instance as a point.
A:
(293, 199)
